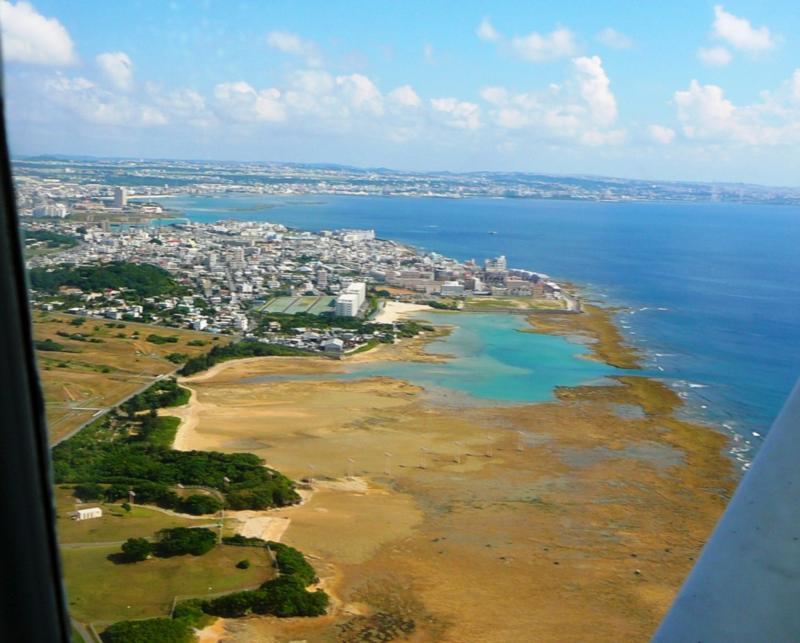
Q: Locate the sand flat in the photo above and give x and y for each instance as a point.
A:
(475, 523)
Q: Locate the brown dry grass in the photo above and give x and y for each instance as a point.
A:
(98, 375)
(582, 527)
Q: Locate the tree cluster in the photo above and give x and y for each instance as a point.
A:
(144, 279)
(236, 350)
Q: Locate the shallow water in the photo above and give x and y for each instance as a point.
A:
(490, 360)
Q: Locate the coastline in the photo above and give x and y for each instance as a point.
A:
(606, 509)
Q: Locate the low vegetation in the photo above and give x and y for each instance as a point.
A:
(163, 393)
(237, 350)
(162, 339)
(48, 345)
(163, 630)
(52, 239)
(284, 596)
(132, 452)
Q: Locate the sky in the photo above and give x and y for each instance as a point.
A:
(688, 90)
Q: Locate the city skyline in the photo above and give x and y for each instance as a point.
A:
(709, 93)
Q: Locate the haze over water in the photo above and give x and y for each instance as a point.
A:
(712, 290)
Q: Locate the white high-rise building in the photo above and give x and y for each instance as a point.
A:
(347, 305)
(58, 210)
(359, 289)
(120, 197)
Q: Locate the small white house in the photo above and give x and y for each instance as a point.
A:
(88, 513)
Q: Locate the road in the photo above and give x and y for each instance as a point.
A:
(101, 412)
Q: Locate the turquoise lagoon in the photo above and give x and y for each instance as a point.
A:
(490, 361)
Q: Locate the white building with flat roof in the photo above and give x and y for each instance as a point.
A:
(88, 513)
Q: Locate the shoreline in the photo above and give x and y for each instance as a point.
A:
(394, 311)
(297, 421)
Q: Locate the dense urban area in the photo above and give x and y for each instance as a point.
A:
(312, 291)
(59, 180)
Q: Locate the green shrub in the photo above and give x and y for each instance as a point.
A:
(198, 505)
(88, 492)
(136, 549)
(184, 540)
(162, 339)
(47, 345)
(243, 564)
(163, 630)
(286, 596)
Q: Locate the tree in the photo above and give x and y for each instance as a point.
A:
(88, 492)
(163, 630)
(184, 540)
(137, 549)
(197, 505)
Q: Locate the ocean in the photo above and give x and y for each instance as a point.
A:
(709, 292)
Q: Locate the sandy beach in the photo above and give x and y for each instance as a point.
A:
(565, 520)
(394, 311)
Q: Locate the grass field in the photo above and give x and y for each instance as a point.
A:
(116, 523)
(504, 303)
(100, 590)
(93, 375)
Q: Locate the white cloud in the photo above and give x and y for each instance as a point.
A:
(429, 53)
(595, 88)
(487, 32)
(361, 93)
(583, 109)
(240, 102)
(90, 103)
(184, 106)
(312, 81)
(714, 56)
(458, 114)
(294, 45)
(117, 67)
(406, 96)
(739, 33)
(703, 110)
(706, 114)
(535, 47)
(29, 37)
(661, 134)
(614, 39)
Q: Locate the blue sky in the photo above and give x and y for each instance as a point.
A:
(686, 90)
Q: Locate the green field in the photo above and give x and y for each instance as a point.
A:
(116, 523)
(99, 590)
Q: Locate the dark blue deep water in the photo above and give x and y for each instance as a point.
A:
(711, 291)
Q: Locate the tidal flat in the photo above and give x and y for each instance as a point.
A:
(561, 520)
